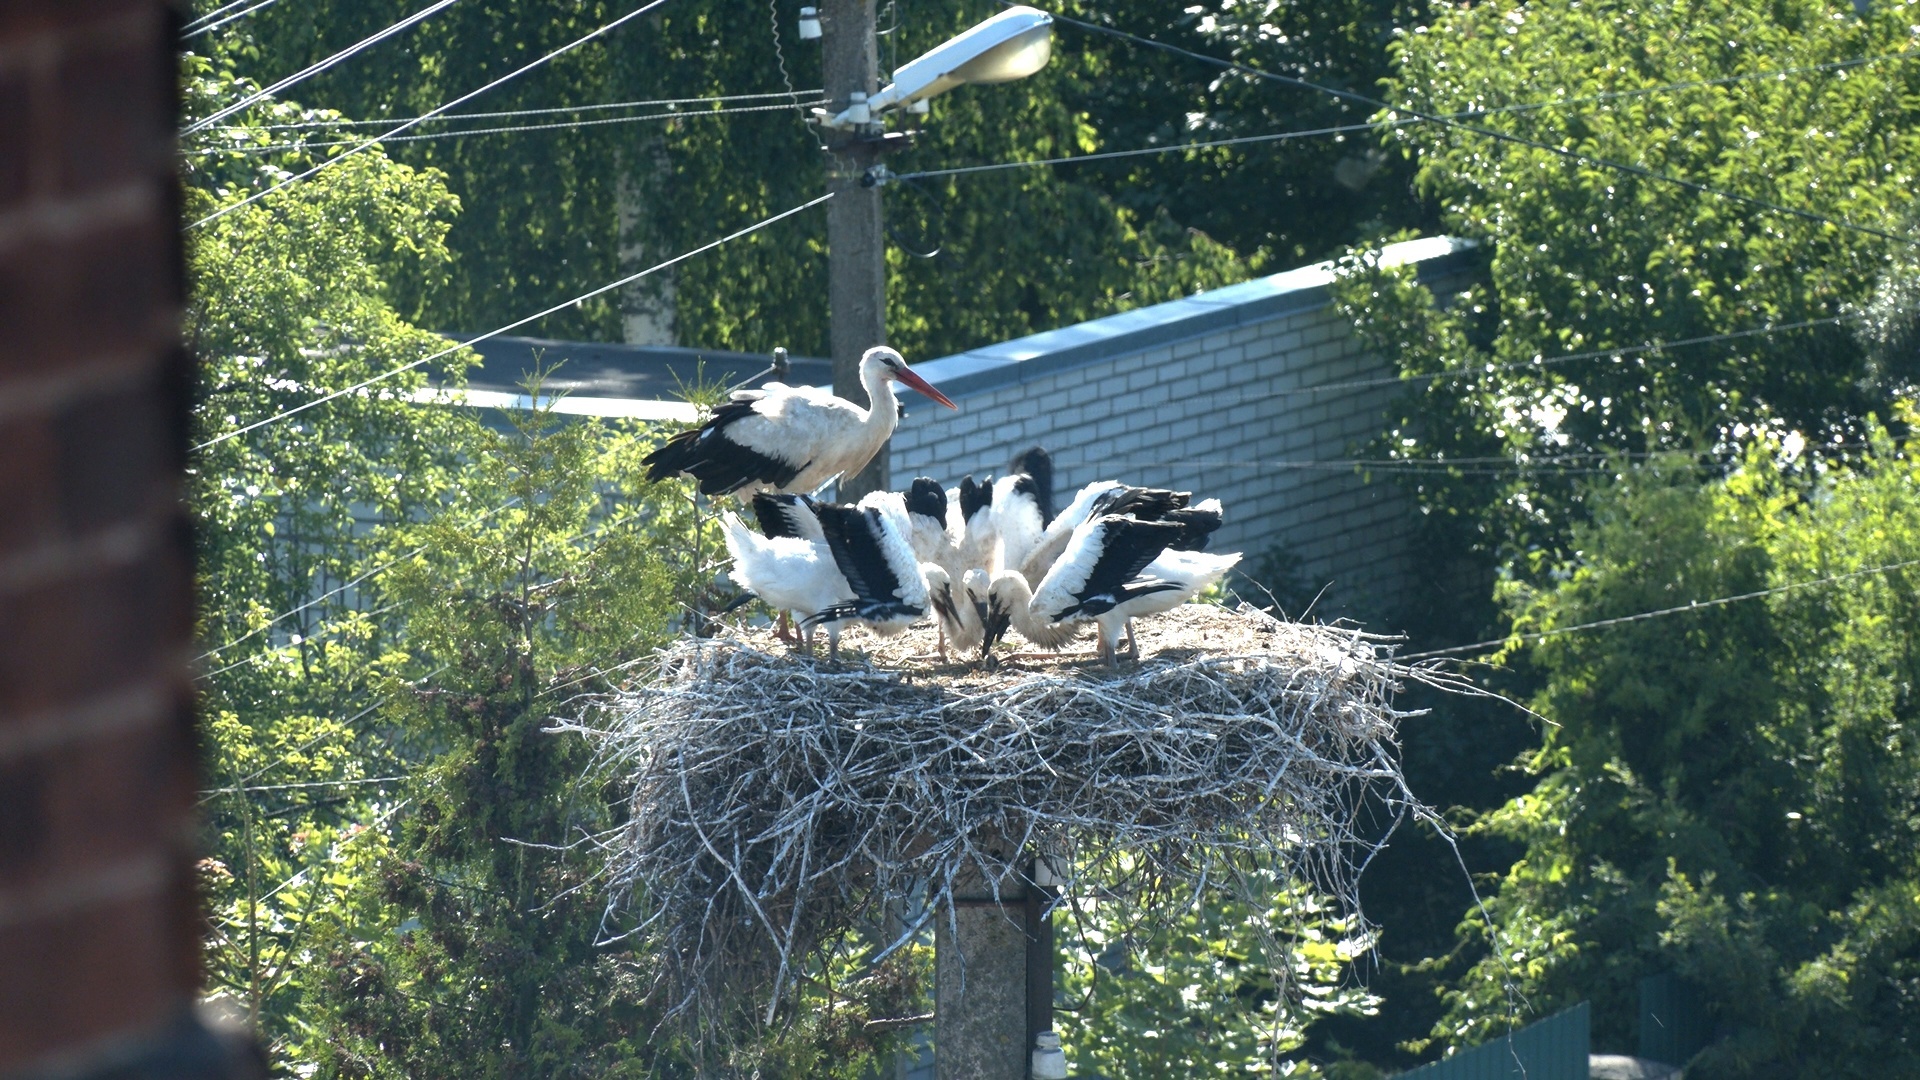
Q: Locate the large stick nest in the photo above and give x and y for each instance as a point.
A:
(778, 802)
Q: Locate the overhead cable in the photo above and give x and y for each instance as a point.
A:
(1678, 609)
(1501, 136)
(516, 324)
(407, 125)
(656, 103)
(1170, 148)
(1564, 358)
(311, 70)
(509, 129)
(1464, 114)
(212, 21)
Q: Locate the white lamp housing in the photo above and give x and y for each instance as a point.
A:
(809, 23)
(1012, 45)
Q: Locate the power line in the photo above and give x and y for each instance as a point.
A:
(1385, 124)
(516, 324)
(203, 25)
(297, 787)
(314, 69)
(1170, 148)
(201, 20)
(655, 103)
(509, 129)
(329, 594)
(1501, 136)
(462, 99)
(1690, 84)
(1566, 358)
(1696, 605)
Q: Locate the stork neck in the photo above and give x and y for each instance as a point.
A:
(882, 407)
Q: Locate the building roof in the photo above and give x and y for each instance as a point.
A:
(600, 379)
(643, 381)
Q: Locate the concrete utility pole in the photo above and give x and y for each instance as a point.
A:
(856, 246)
(993, 976)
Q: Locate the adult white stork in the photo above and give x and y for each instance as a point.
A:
(1116, 569)
(877, 563)
(791, 438)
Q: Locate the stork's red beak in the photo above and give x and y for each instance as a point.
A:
(925, 387)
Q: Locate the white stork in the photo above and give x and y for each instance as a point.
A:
(888, 590)
(790, 572)
(791, 438)
(956, 614)
(1102, 497)
(1113, 570)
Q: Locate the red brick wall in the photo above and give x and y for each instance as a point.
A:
(97, 925)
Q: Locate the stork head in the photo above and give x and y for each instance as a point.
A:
(975, 582)
(885, 363)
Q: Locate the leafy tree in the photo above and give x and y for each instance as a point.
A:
(292, 522)
(1582, 257)
(552, 213)
(1197, 997)
(1728, 793)
(476, 951)
(1804, 106)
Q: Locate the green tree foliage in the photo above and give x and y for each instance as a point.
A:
(1198, 996)
(1582, 257)
(974, 258)
(394, 596)
(1729, 794)
(288, 301)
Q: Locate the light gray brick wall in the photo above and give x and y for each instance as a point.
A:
(1206, 394)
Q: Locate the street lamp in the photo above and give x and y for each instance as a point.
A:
(1012, 45)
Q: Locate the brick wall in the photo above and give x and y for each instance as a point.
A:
(1206, 394)
(98, 932)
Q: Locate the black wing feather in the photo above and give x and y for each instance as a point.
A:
(853, 538)
(776, 514)
(928, 498)
(1037, 463)
(719, 464)
(1198, 526)
(974, 497)
(1126, 548)
(1146, 504)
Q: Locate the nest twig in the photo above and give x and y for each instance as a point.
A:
(778, 803)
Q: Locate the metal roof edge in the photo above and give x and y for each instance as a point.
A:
(1259, 300)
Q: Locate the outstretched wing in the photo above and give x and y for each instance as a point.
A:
(877, 564)
(1105, 555)
(1147, 504)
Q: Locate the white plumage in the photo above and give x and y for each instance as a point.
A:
(791, 438)
(790, 573)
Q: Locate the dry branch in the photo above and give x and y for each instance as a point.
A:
(778, 803)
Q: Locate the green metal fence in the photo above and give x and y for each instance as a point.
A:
(1555, 1048)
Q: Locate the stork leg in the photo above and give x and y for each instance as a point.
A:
(1133, 642)
(942, 628)
(784, 628)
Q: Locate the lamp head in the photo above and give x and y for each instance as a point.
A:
(1011, 45)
